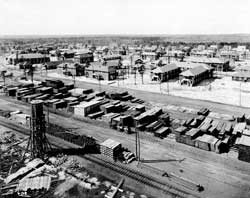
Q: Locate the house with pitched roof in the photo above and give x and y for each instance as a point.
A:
(166, 72)
(102, 70)
(195, 75)
(216, 63)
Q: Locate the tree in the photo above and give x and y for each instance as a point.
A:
(135, 70)
(141, 70)
(3, 76)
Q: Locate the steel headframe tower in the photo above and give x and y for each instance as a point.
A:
(38, 144)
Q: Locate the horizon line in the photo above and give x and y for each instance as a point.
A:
(124, 34)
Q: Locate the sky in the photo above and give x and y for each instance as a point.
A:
(79, 17)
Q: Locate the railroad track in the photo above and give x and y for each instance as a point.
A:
(141, 177)
(122, 169)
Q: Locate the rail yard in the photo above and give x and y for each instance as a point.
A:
(172, 163)
(125, 117)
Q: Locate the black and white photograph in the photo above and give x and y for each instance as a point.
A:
(124, 99)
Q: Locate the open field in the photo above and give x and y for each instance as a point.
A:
(220, 175)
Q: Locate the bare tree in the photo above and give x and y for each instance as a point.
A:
(135, 70)
(141, 70)
(3, 76)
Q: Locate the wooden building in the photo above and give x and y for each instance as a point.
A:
(29, 58)
(166, 72)
(112, 57)
(84, 57)
(71, 69)
(216, 63)
(195, 75)
(102, 71)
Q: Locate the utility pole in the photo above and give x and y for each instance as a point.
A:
(136, 149)
(118, 78)
(160, 85)
(240, 95)
(135, 74)
(137, 143)
(168, 87)
(139, 146)
(99, 82)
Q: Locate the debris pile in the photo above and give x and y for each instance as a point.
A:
(56, 176)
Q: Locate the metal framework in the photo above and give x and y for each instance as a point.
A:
(38, 143)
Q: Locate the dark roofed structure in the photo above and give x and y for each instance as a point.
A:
(32, 58)
(196, 75)
(166, 72)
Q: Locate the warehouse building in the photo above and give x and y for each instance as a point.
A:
(84, 56)
(166, 72)
(112, 57)
(229, 55)
(174, 55)
(102, 71)
(216, 63)
(29, 58)
(188, 65)
(195, 75)
(71, 69)
(149, 56)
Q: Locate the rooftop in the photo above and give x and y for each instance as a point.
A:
(27, 56)
(35, 183)
(165, 68)
(110, 143)
(205, 60)
(194, 71)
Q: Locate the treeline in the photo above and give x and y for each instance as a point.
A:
(190, 40)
